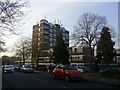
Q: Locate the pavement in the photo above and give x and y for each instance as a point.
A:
(100, 80)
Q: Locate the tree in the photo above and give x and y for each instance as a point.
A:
(11, 13)
(60, 52)
(1, 45)
(13, 59)
(105, 45)
(6, 60)
(9, 60)
(87, 32)
(23, 48)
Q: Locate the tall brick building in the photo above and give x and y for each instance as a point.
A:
(44, 37)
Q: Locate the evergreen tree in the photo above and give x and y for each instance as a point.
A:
(60, 54)
(105, 47)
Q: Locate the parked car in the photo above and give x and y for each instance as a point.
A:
(51, 68)
(67, 72)
(18, 67)
(26, 68)
(8, 68)
(81, 66)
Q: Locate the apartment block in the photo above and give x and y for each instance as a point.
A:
(44, 37)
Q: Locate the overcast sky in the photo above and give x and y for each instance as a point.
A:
(67, 12)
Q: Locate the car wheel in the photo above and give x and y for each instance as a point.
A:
(66, 78)
(53, 76)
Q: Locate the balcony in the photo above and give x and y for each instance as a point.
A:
(46, 32)
(46, 27)
(46, 36)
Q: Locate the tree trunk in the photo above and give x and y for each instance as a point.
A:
(23, 56)
(90, 61)
(96, 66)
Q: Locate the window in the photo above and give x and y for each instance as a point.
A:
(71, 68)
(64, 38)
(51, 30)
(54, 44)
(38, 39)
(54, 31)
(75, 49)
(54, 40)
(51, 39)
(39, 29)
(38, 44)
(51, 35)
(51, 44)
(70, 49)
(63, 34)
(46, 32)
(59, 67)
(63, 30)
(54, 35)
(38, 34)
(51, 26)
(67, 36)
(46, 35)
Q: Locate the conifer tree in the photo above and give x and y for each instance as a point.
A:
(60, 54)
(105, 47)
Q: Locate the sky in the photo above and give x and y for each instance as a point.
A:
(66, 11)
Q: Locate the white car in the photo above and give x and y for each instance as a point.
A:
(8, 68)
(80, 67)
(26, 68)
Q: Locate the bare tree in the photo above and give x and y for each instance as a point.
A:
(11, 13)
(23, 48)
(87, 31)
(1, 45)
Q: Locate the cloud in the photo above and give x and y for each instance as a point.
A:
(74, 0)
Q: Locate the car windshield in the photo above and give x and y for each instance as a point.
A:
(80, 66)
(8, 66)
(71, 68)
(74, 64)
(28, 66)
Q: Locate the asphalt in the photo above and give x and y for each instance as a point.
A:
(100, 80)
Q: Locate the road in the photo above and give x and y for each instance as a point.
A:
(43, 80)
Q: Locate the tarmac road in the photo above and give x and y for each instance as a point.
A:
(43, 80)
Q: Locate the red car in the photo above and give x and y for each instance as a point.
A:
(67, 72)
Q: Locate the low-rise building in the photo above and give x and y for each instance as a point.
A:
(79, 54)
(118, 55)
